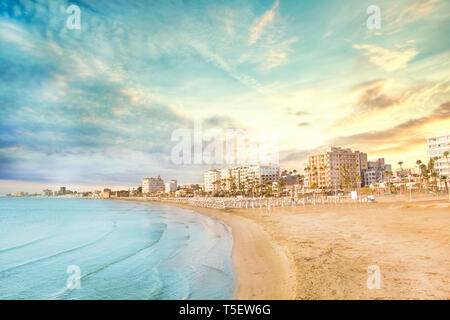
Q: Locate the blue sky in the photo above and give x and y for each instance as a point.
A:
(97, 106)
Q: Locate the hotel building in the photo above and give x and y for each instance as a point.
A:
(211, 179)
(171, 186)
(150, 185)
(335, 167)
(239, 178)
(374, 173)
(436, 147)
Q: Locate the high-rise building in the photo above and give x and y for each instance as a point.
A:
(211, 179)
(150, 185)
(375, 172)
(62, 190)
(106, 193)
(240, 178)
(261, 174)
(171, 186)
(436, 147)
(336, 167)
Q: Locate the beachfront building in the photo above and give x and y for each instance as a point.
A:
(211, 181)
(47, 193)
(335, 168)
(106, 193)
(240, 178)
(375, 172)
(226, 179)
(436, 147)
(171, 186)
(150, 185)
(264, 174)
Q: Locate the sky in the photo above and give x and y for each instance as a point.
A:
(96, 107)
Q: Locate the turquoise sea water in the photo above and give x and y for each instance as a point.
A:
(123, 250)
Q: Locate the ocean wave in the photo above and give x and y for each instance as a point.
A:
(103, 267)
(23, 245)
(53, 255)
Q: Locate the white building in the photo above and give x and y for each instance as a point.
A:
(260, 174)
(171, 186)
(436, 146)
(150, 185)
(239, 178)
(211, 178)
(374, 174)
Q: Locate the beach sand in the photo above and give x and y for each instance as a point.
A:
(332, 248)
(324, 252)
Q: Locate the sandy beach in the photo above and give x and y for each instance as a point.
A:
(332, 248)
(324, 252)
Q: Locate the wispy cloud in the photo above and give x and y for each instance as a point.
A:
(416, 10)
(370, 96)
(385, 59)
(261, 23)
(404, 135)
(223, 65)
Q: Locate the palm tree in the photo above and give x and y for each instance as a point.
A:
(435, 175)
(280, 185)
(388, 175)
(419, 163)
(446, 154)
(444, 178)
(432, 173)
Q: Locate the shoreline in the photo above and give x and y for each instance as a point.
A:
(263, 270)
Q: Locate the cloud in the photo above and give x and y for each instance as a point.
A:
(222, 64)
(297, 157)
(401, 136)
(328, 34)
(258, 26)
(370, 96)
(415, 11)
(387, 60)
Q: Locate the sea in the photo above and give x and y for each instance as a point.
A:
(94, 249)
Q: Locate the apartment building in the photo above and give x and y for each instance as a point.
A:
(436, 147)
(374, 174)
(239, 178)
(171, 186)
(337, 167)
(211, 178)
(261, 174)
(150, 185)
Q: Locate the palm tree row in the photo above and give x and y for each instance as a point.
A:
(429, 174)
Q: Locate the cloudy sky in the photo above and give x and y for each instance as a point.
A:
(96, 106)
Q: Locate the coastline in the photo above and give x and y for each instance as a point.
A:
(264, 270)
